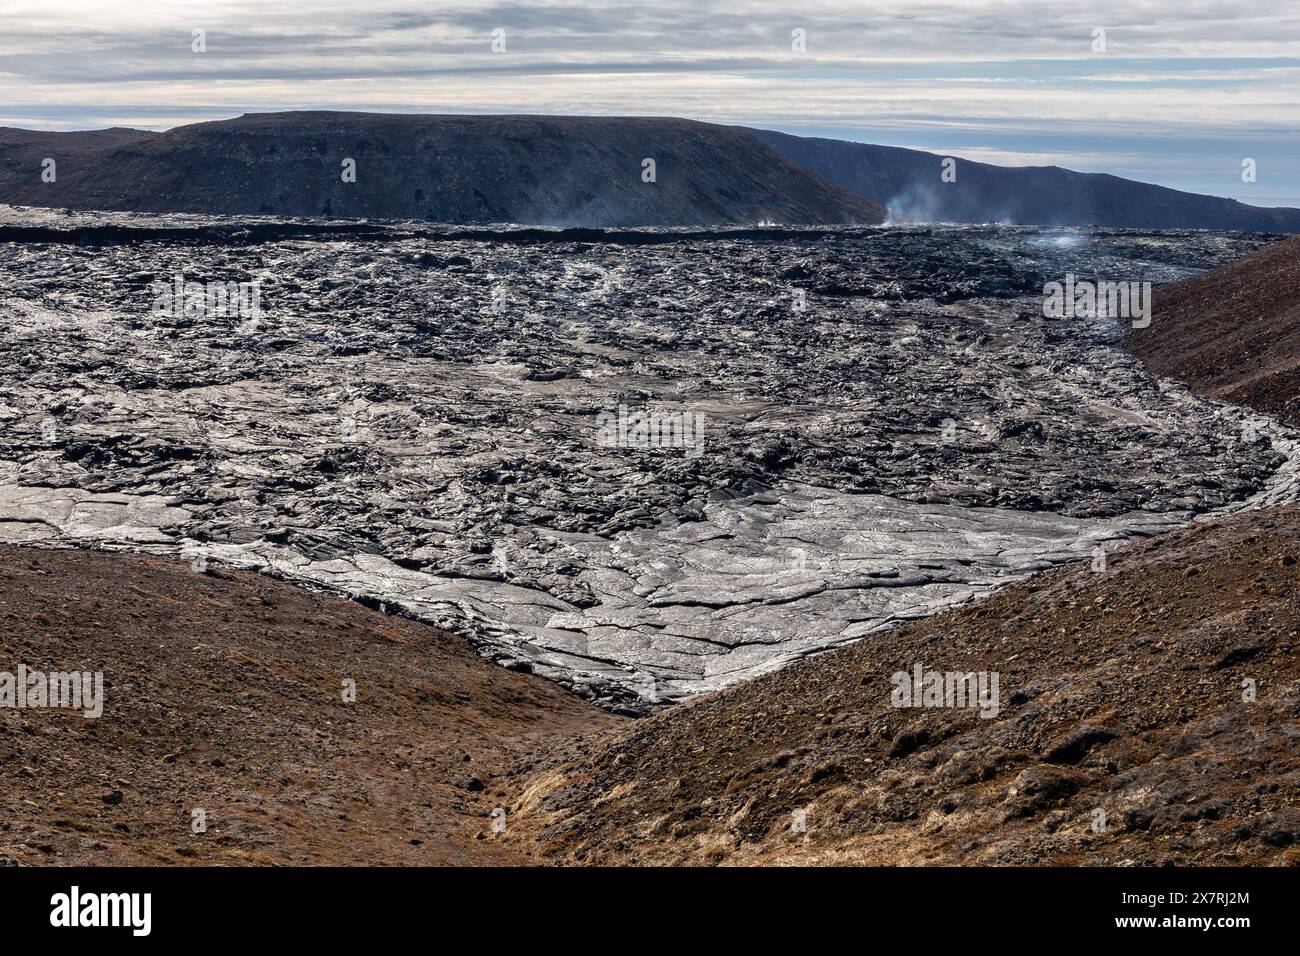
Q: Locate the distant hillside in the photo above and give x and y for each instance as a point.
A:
(540, 170)
(1233, 332)
(908, 182)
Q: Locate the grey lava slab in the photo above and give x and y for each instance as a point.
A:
(886, 426)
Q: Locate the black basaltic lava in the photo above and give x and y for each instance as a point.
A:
(882, 424)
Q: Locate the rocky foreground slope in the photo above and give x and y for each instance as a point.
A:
(1127, 731)
(909, 182)
(540, 170)
(1233, 332)
(223, 692)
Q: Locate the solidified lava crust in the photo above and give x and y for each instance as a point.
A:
(887, 424)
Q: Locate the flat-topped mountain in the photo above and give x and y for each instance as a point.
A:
(909, 182)
(540, 170)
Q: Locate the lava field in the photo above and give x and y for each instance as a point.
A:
(882, 424)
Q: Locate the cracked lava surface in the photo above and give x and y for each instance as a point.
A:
(890, 426)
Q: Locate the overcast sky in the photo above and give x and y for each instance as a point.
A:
(1185, 90)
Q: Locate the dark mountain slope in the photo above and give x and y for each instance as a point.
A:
(1233, 332)
(908, 182)
(542, 170)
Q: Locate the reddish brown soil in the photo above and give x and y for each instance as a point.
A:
(1233, 332)
(224, 692)
(1122, 692)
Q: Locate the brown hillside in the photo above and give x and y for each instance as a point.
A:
(224, 692)
(1233, 332)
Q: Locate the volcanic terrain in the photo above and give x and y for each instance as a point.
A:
(1151, 716)
(587, 171)
(888, 427)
